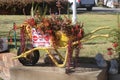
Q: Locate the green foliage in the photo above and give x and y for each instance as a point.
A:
(115, 34)
(37, 9)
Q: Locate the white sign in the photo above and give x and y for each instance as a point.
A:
(3, 44)
(39, 40)
(74, 17)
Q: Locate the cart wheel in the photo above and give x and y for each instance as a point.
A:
(31, 59)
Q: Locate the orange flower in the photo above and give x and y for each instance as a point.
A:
(46, 23)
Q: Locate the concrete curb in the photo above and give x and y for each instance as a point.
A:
(54, 73)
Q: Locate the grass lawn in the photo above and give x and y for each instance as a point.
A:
(91, 21)
(1, 79)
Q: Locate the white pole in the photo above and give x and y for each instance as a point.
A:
(74, 18)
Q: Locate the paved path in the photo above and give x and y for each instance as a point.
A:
(6, 63)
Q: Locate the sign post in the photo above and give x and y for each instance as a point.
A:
(74, 17)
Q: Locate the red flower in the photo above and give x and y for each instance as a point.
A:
(79, 35)
(49, 31)
(72, 30)
(109, 49)
(46, 38)
(110, 53)
(115, 44)
(14, 26)
(31, 21)
(77, 27)
(11, 40)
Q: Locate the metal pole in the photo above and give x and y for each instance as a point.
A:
(118, 21)
(68, 11)
(14, 25)
(74, 18)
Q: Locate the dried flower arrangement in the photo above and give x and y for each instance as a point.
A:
(55, 26)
